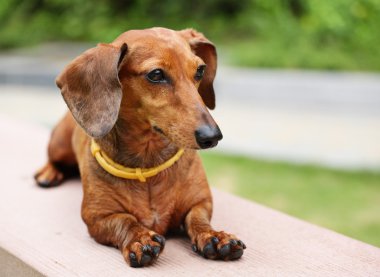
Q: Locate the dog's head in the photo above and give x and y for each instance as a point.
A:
(164, 77)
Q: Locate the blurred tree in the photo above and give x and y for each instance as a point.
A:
(346, 26)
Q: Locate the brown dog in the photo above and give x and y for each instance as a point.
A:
(141, 98)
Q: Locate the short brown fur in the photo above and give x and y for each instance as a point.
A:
(140, 124)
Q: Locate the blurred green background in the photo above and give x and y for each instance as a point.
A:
(304, 34)
(322, 34)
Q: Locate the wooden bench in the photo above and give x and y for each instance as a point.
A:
(41, 232)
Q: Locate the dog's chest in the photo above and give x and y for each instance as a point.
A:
(156, 208)
(158, 218)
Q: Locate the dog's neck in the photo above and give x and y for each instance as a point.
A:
(134, 143)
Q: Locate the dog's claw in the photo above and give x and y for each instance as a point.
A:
(147, 248)
(194, 247)
(233, 242)
(160, 239)
(145, 259)
(44, 183)
(214, 240)
(224, 251)
(132, 256)
(209, 251)
(47, 183)
(133, 260)
(156, 250)
(236, 254)
(242, 244)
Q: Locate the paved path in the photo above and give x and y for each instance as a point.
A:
(328, 118)
(313, 117)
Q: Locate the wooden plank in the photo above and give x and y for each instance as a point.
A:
(43, 228)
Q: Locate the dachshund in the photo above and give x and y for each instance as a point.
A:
(138, 113)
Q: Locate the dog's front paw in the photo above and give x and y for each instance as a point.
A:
(143, 249)
(48, 176)
(218, 245)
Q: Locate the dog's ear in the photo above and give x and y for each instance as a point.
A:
(91, 88)
(204, 49)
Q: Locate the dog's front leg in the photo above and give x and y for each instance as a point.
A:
(139, 245)
(207, 242)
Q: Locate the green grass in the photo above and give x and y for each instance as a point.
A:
(345, 201)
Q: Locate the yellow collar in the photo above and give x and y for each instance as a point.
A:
(130, 173)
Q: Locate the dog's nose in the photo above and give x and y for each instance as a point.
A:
(208, 136)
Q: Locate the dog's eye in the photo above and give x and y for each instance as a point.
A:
(200, 71)
(156, 76)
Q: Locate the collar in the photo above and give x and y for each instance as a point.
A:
(121, 171)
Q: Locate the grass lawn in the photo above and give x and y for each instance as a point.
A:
(347, 202)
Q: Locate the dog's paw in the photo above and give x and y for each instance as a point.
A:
(48, 176)
(143, 249)
(218, 246)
